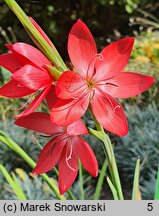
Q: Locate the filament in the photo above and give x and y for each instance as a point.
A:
(25, 104)
(99, 56)
(69, 158)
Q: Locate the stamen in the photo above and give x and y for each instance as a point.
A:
(111, 103)
(92, 94)
(44, 136)
(99, 56)
(24, 105)
(68, 158)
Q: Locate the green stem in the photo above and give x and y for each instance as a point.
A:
(81, 181)
(156, 197)
(136, 187)
(11, 144)
(109, 153)
(100, 180)
(50, 51)
(113, 168)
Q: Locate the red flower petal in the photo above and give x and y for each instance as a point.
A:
(65, 112)
(10, 62)
(128, 84)
(68, 169)
(109, 113)
(81, 47)
(29, 52)
(41, 31)
(87, 157)
(49, 156)
(39, 122)
(32, 77)
(35, 103)
(51, 97)
(115, 57)
(70, 85)
(13, 89)
(77, 128)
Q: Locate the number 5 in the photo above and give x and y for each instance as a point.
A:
(149, 206)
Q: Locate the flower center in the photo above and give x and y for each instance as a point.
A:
(90, 84)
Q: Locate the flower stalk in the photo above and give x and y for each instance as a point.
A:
(109, 153)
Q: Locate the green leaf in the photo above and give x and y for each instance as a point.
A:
(157, 187)
(81, 180)
(11, 144)
(17, 184)
(14, 184)
(100, 180)
(136, 195)
(113, 190)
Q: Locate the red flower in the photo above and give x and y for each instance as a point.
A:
(98, 80)
(65, 146)
(29, 74)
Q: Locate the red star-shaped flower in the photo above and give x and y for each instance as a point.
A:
(65, 146)
(98, 80)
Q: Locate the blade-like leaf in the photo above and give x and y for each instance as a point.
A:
(16, 187)
(136, 195)
(157, 187)
(113, 190)
(17, 184)
(100, 180)
(11, 144)
(81, 180)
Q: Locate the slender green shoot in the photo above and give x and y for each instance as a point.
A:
(81, 180)
(113, 189)
(156, 197)
(136, 195)
(13, 183)
(100, 180)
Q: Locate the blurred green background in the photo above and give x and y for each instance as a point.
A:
(108, 20)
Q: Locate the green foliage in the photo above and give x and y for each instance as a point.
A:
(13, 182)
(142, 141)
(33, 187)
(24, 138)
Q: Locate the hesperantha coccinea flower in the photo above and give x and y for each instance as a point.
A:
(65, 148)
(29, 73)
(97, 80)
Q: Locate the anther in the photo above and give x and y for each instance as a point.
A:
(95, 57)
(118, 106)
